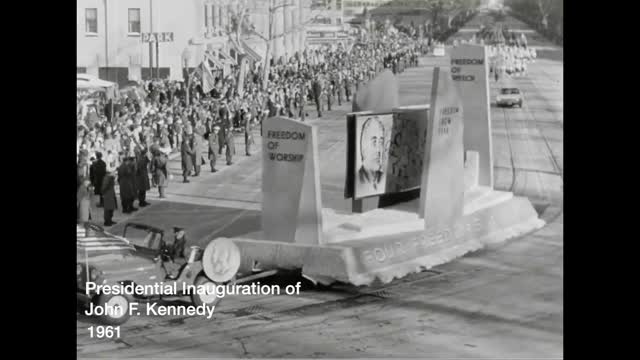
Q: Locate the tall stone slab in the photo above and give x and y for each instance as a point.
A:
(291, 198)
(470, 72)
(442, 189)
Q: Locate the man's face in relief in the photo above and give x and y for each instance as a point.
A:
(372, 144)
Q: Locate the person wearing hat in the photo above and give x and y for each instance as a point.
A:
(175, 251)
(179, 243)
(83, 198)
(301, 98)
(186, 153)
(223, 112)
(126, 180)
(108, 192)
(229, 140)
(248, 133)
(159, 171)
(97, 172)
(196, 158)
(142, 177)
(214, 146)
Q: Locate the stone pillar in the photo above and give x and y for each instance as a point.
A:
(285, 28)
(288, 47)
(214, 15)
(301, 19)
(225, 17)
(278, 28)
(296, 35)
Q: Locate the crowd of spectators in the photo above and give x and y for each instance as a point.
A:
(127, 141)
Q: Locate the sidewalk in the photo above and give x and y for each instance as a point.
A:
(175, 171)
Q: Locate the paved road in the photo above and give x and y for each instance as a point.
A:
(505, 301)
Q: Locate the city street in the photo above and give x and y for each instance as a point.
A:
(505, 301)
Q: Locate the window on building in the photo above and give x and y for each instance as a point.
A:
(338, 21)
(134, 21)
(208, 18)
(91, 21)
(338, 4)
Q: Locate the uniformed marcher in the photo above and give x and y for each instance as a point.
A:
(97, 172)
(196, 145)
(213, 147)
(223, 113)
(126, 180)
(142, 177)
(316, 87)
(347, 86)
(248, 134)
(110, 201)
(302, 99)
(159, 172)
(186, 153)
(229, 141)
(339, 87)
(329, 96)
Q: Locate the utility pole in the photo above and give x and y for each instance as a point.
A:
(186, 55)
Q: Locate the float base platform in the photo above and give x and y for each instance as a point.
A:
(390, 243)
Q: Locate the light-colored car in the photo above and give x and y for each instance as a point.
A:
(438, 50)
(509, 97)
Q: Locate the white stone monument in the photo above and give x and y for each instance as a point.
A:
(291, 202)
(470, 72)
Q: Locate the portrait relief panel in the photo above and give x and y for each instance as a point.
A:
(373, 137)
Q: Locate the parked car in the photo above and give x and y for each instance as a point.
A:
(138, 257)
(509, 97)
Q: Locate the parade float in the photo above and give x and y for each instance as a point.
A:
(420, 179)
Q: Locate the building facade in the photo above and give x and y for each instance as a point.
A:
(325, 23)
(352, 9)
(111, 34)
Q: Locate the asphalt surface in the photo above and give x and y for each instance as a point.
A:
(505, 301)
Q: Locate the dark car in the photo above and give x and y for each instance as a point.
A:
(140, 256)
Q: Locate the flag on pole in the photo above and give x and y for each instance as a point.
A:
(208, 80)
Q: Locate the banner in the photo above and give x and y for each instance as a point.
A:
(244, 67)
(135, 68)
(208, 81)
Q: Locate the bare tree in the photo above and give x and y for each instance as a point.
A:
(239, 14)
(447, 8)
(273, 7)
(544, 7)
(542, 14)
